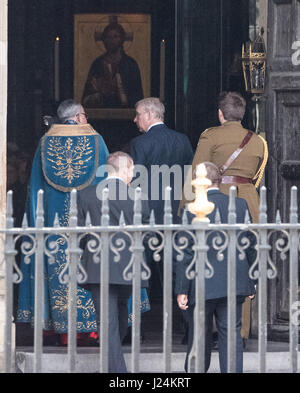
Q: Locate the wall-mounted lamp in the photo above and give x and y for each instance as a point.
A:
(254, 59)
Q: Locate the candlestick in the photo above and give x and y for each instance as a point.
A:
(56, 69)
(162, 69)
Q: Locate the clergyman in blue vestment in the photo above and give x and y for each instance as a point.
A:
(67, 158)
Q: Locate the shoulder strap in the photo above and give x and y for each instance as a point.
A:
(236, 153)
(259, 174)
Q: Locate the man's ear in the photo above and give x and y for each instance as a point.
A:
(221, 116)
(149, 115)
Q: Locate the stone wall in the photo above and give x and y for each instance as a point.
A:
(3, 116)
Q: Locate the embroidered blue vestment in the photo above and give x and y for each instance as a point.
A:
(67, 157)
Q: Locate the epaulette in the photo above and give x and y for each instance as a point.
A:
(208, 129)
(259, 174)
(205, 131)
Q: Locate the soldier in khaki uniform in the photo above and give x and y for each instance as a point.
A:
(217, 144)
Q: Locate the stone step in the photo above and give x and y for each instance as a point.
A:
(87, 361)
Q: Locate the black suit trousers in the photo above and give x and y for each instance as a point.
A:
(117, 322)
(218, 308)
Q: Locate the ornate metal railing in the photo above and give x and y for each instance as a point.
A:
(162, 240)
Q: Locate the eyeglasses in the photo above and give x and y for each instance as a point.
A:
(84, 114)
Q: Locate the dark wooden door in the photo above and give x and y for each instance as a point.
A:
(283, 134)
(209, 34)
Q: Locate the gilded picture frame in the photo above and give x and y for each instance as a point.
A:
(106, 83)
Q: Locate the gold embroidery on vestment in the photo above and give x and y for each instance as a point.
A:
(69, 160)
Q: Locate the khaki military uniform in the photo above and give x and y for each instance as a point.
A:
(216, 145)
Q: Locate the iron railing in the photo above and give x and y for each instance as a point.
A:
(271, 239)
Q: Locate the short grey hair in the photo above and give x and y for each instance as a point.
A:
(153, 105)
(68, 109)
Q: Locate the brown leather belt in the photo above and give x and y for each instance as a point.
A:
(235, 179)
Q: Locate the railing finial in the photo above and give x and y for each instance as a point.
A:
(247, 218)
(88, 221)
(73, 209)
(105, 208)
(278, 218)
(184, 217)
(201, 207)
(9, 210)
(167, 208)
(218, 217)
(294, 206)
(40, 209)
(232, 207)
(263, 205)
(56, 223)
(25, 221)
(152, 218)
(137, 215)
(122, 222)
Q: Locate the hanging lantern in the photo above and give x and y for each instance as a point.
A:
(254, 59)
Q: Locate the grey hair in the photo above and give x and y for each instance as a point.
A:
(153, 105)
(68, 109)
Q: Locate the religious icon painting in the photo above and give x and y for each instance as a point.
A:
(112, 63)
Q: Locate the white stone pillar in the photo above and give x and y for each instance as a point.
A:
(3, 118)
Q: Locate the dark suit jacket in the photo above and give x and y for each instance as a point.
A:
(162, 146)
(216, 286)
(88, 200)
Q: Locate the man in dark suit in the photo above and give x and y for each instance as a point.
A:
(216, 286)
(165, 156)
(160, 146)
(120, 172)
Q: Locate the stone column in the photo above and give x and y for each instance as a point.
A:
(3, 116)
(262, 21)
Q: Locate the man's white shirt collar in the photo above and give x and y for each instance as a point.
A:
(114, 177)
(155, 124)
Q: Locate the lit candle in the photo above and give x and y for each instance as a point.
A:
(162, 69)
(56, 69)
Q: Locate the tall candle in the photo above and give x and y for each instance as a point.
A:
(56, 69)
(162, 69)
